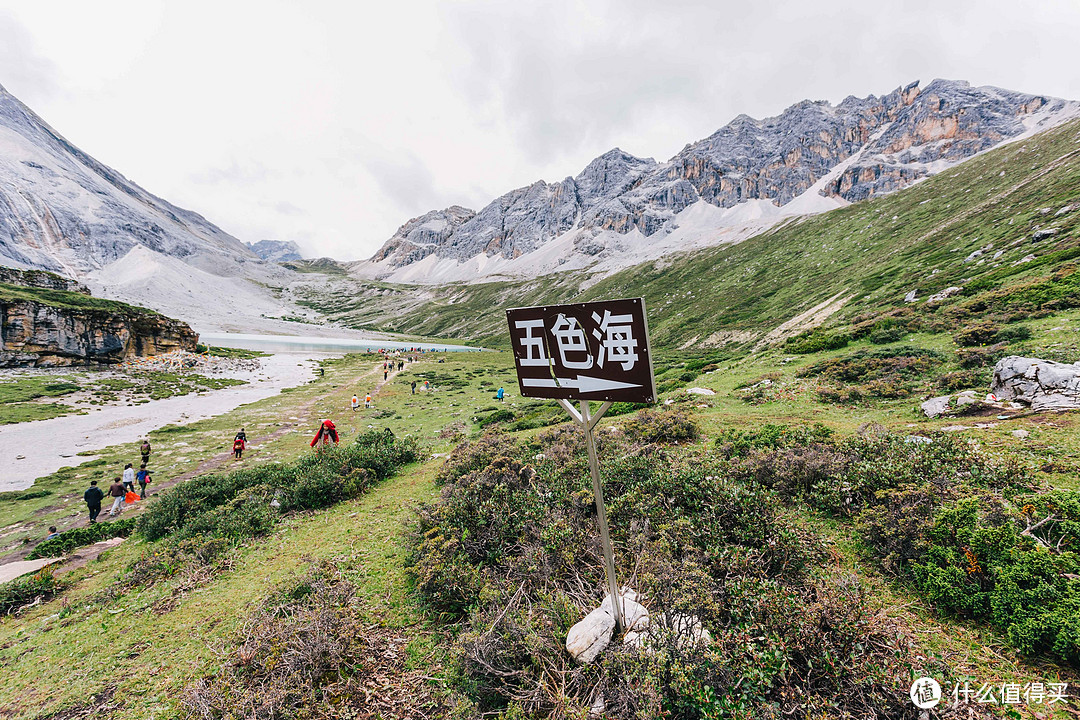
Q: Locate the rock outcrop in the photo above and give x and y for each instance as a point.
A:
(50, 327)
(41, 279)
(1041, 384)
(856, 149)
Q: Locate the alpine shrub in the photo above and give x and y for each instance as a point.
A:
(77, 537)
(20, 592)
(660, 426)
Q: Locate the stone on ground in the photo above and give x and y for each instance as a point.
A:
(1040, 384)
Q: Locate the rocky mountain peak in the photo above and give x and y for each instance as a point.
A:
(276, 250)
(420, 236)
(849, 151)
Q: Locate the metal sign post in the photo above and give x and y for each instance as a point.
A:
(588, 351)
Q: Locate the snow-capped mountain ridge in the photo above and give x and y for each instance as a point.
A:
(812, 157)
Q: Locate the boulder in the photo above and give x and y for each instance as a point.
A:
(944, 294)
(700, 391)
(935, 407)
(593, 633)
(1040, 384)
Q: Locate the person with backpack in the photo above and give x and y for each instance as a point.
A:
(238, 445)
(355, 403)
(93, 497)
(143, 478)
(117, 491)
(144, 450)
(367, 401)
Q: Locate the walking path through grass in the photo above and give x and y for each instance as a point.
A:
(259, 450)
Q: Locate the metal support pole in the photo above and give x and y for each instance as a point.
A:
(588, 422)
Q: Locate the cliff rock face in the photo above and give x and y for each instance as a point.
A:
(859, 148)
(48, 321)
(40, 335)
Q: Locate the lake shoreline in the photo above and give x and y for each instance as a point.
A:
(38, 448)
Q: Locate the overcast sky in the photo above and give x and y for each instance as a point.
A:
(332, 123)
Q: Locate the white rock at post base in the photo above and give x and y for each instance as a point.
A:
(700, 391)
(635, 616)
(592, 634)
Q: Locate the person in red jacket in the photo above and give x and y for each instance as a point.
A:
(326, 433)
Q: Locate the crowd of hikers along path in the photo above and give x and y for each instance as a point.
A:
(121, 490)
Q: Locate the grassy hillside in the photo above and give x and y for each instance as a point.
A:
(67, 300)
(834, 541)
(867, 257)
(150, 631)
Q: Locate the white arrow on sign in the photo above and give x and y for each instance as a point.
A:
(583, 383)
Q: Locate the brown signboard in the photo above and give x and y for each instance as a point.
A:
(586, 351)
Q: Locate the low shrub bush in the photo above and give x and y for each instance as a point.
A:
(197, 559)
(884, 364)
(308, 653)
(20, 592)
(510, 551)
(230, 505)
(86, 535)
(817, 340)
(979, 333)
(660, 426)
(13, 495)
(959, 380)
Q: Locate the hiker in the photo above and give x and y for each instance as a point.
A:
(238, 445)
(242, 435)
(117, 493)
(400, 364)
(129, 477)
(355, 402)
(325, 434)
(426, 386)
(93, 497)
(144, 450)
(367, 401)
(499, 395)
(143, 477)
(413, 387)
(52, 533)
(385, 373)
